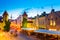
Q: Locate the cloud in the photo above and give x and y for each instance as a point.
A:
(15, 13)
(30, 11)
(33, 12)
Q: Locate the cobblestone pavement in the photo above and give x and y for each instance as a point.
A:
(26, 37)
(8, 36)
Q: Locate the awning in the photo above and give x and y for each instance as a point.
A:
(28, 29)
(47, 31)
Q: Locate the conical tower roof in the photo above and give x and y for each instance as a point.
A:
(5, 13)
(24, 14)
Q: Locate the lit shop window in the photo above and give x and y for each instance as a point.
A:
(51, 22)
(54, 23)
(52, 29)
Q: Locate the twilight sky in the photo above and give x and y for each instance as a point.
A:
(32, 7)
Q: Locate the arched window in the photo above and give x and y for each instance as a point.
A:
(51, 22)
(54, 23)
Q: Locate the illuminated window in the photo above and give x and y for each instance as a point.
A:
(54, 23)
(51, 22)
(52, 30)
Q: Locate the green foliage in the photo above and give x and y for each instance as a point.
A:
(24, 25)
(7, 26)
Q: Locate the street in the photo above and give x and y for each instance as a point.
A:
(21, 36)
(8, 36)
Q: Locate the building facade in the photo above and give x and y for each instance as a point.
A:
(42, 22)
(3, 18)
(37, 21)
(30, 22)
(49, 21)
(24, 22)
(53, 20)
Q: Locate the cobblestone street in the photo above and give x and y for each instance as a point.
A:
(8, 36)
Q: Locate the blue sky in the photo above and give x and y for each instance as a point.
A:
(33, 7)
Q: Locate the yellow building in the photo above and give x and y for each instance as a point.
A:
(3, 19)
(1, 23)
(30, 24)
(5, 16)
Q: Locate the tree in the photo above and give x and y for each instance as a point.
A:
(7, 26)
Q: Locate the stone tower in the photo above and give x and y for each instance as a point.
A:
(24, 23)
(5, 16)
(24, 15)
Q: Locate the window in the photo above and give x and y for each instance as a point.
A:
(54, 23)
(51, 22)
